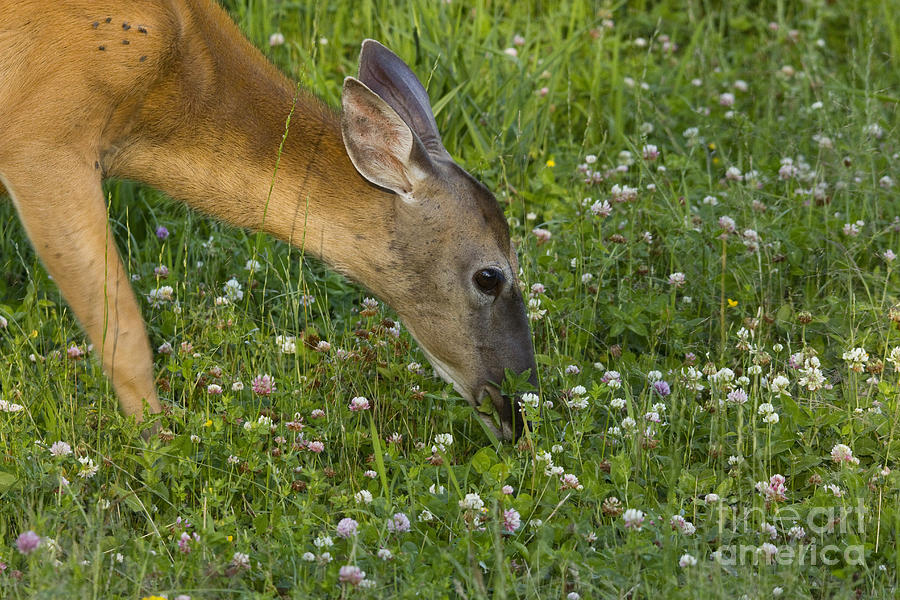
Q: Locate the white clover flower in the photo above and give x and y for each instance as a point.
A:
(723, 378)
(841, 453)
(577, 402)
(442, 441)
(687, 560)
(161, 294)
(425, 516)
(634, 519)
(286, 343)
(780, 385)
(857, 358)
(796, 533)
(625, 158)
(531, 400)
(601, 208)
(60, 448)
(88, 468)
(894, 357)
(553, 470)
(472, 502)
(535, 312)
(737, 396)
(768, 550)
(233, 290)
(811, 377)
(363, 497)
(692, 378)
(874, 130)
(835, 490)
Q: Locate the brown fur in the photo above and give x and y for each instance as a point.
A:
(168, 92)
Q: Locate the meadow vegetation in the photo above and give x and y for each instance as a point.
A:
(705, 204)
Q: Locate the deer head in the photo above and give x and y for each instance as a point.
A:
(455, 281)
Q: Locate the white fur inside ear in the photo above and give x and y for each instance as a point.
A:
(378, 142)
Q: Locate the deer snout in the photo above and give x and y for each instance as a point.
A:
(508, 409)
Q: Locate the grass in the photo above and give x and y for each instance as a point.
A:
(792, 299)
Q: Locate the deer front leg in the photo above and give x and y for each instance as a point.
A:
(64, 214)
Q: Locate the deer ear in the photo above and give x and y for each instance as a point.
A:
(379, 143)
(387, 75)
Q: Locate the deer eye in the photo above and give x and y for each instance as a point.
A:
(489, 281)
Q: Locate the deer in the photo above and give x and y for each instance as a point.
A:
(169, 93)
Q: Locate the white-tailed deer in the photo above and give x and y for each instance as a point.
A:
(169, 93)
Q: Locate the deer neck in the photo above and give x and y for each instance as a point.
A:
(226, 132)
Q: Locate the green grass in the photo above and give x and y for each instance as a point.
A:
(524, 125)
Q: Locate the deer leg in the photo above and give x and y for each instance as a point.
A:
(68, 227)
